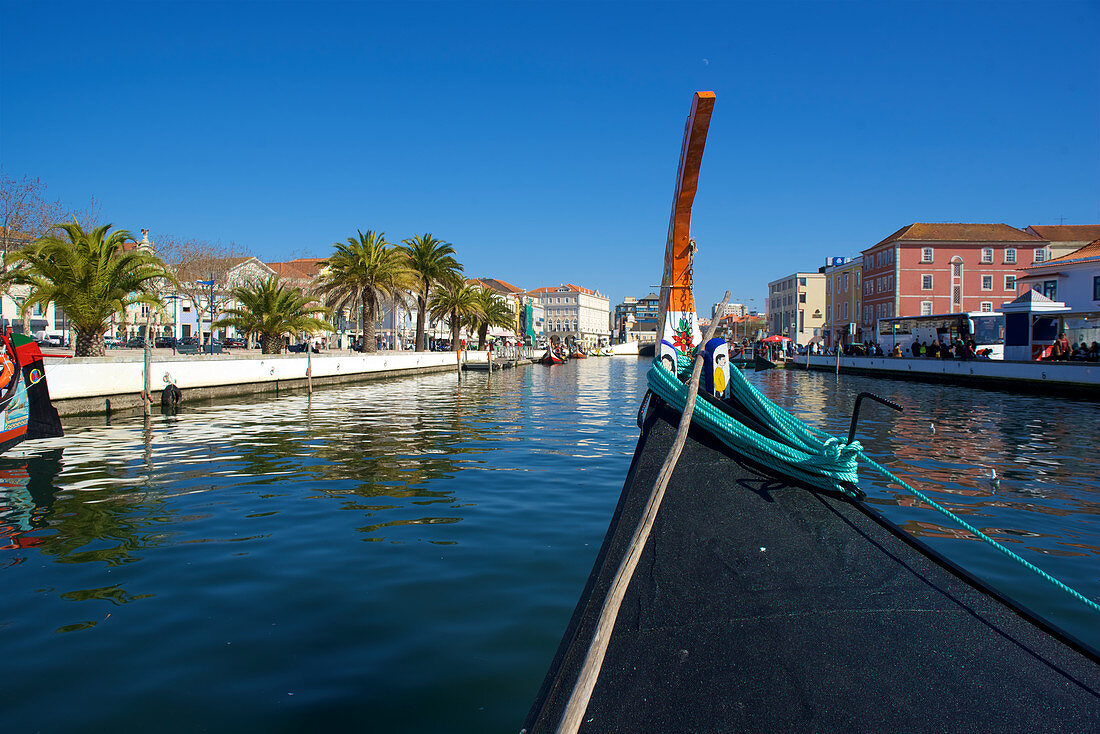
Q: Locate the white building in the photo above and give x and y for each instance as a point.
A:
(796, 307)
(576, 313)
(731, 309)
(1073, 279)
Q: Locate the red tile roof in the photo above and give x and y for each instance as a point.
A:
(1067, 232)
(947, 232)
(498, 285)
(302, 268)
(1088, 253)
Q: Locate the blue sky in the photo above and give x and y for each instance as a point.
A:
(541, 139)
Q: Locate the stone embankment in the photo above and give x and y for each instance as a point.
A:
(91, 385)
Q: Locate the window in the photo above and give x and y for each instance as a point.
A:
(926, 282)
(987, 254)
(845, 309)
(1010, 282)
(987, 307)
(1050, 288)
(926, 254)
(1096, 288)
(845, 282)
(925, 308)
(987, 282)
(801, 297)
(1010, 255)
(1040, 255)
(802, 281)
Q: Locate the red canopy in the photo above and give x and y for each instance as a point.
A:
(776, 338)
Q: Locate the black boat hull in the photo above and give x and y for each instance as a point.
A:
(761, 606)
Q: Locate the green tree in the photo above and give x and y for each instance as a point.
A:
(270, 309)
(457, 302)
(493, 311)
(433, 262)
(89, 275)
(362, 274)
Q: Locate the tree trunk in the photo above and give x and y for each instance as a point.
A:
(369, 345)
(482, 335)
(271, 343)
(456, 332)
(89, 344)
(421, 318)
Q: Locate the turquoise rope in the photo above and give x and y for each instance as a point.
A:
(825, 462)
(978, 533)
(807, 454)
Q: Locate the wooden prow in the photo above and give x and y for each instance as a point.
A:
(677, 327)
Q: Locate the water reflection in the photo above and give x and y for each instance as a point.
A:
(427, 525)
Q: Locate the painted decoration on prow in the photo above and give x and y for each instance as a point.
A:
(717, 368)
(677, 322)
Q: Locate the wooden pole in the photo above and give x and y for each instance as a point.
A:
(146, 395)
(309, 368)
(593, 661)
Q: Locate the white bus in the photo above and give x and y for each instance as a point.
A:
(986, 329)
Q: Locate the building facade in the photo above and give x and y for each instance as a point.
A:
(1073, 279)
(796, 307)
(843, 301)
(1063, 239)
(576, 314)
(731, 309)
(636, 319)
(944, 268)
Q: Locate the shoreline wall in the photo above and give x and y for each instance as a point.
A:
(1076, 379)
(92, 385)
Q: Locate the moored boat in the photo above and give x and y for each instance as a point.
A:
(743, 584)
(26, 411)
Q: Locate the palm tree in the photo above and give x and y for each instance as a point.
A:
(90, 276)
(494, 312)
(269, 309)
(457, 302)
(433, 261)
(362, 274)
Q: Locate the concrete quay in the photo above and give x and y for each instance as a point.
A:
(97, 385)
(1074, 379)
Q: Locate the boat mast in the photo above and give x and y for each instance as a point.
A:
(678, 329)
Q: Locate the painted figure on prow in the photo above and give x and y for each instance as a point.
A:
(716, 368)
(666, 355)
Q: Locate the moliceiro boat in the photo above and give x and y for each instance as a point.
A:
(25, 408)
(743, 584)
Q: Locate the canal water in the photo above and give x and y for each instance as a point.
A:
(403, 555)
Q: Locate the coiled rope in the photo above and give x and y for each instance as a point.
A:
(804, 453)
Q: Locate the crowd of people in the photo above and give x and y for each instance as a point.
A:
(1063, 350)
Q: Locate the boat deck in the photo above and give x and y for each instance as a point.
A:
(762, 607)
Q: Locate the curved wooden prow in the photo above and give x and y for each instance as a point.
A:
(677, 327)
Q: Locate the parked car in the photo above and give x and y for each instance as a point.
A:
(112, 342)
(189, 340)
(234, 342)
(136, 343)
(164, 342)
(303, 346)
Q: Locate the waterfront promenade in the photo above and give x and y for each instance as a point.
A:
(92, 385)
(1079, 379)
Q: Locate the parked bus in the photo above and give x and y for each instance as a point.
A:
(986, 329)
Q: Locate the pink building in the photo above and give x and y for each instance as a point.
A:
(945, 268)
